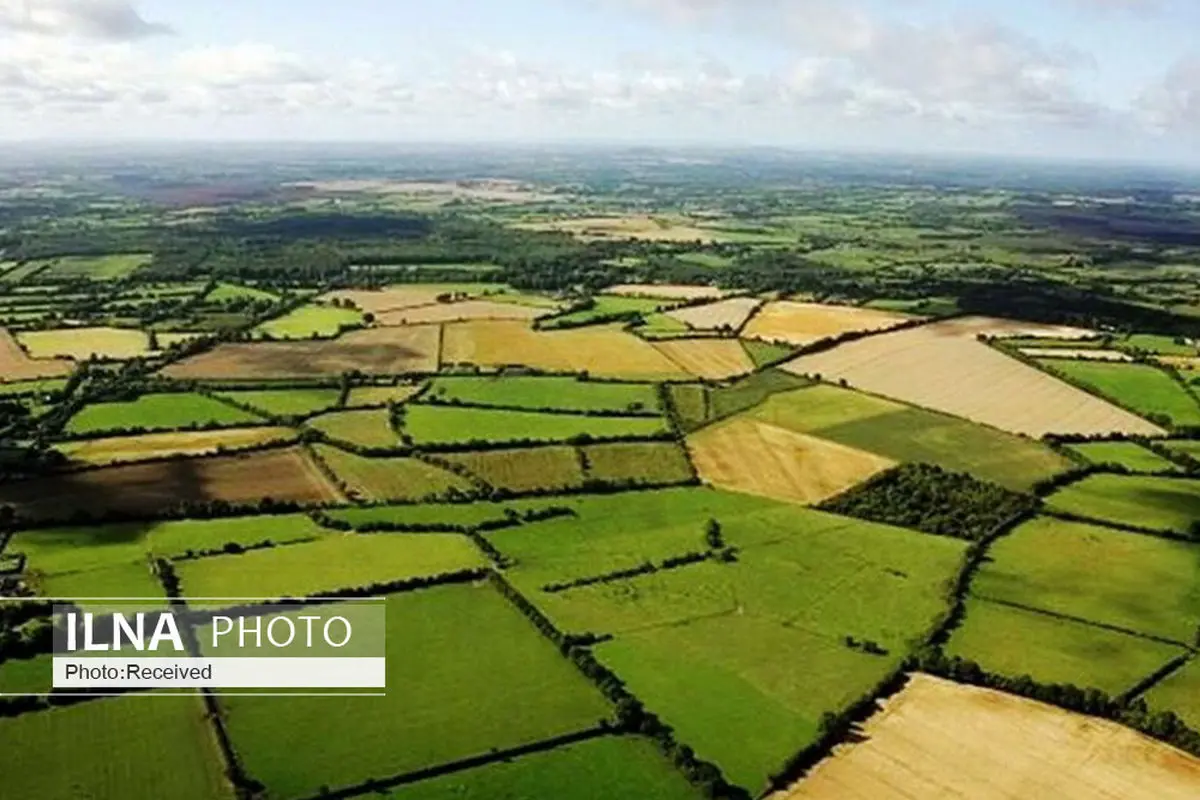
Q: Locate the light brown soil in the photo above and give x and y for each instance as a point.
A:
(745, 455)
(708, 358)
(666, 291)
(804, 323)
(16, 366)
(938, 739)
(461, 312)
(730, 313)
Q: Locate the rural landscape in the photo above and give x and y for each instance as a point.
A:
(738, 476)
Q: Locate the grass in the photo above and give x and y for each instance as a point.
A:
(928, 306)
(1130, 455)
(436, 425)
(82, 344)
(1136, 500)
(27, 675)
(156, 412)
(380, 395)
(690, 401)
(107, 267)
(903, 433)
(335, 562)
(638, 462)
(762, 353)
(369, 428)
(534, 393)
(1012, 641)
(1147, 390)
(1179, 692)
(522, 469)
(226, 292)
(447, 514)
(606, 307)
(599, 769)
(383, 479)
(125, 580)
(1187, 447)
(32, 387)
(310, 322)
(285, 402)
(1154, 343)
(466, 673)
(1140, 583)
(152, 748)
(150, 446)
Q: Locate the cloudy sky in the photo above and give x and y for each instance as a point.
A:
(1108, 78)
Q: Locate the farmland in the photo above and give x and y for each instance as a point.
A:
(379, 301)
(309, 322)
(804, 323)
(602, 307)
(534, 393)
(1129, 455)
(728, 314)
(1141, 501)
(159, 412)
(716, 359)
(461, 311)
(522, 470)
(666, 291)
(16, 365)
(284, 402)
(367, 428)
(84, 343)
(1146, 389)
(377, 479)
(441, 425)
(148, 447)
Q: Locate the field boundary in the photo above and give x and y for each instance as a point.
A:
(1083, 621)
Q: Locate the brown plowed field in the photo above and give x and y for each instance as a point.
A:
(732, 313)
(941, 366)
(938, 739)
(708, 358)
(383, 351)
(804, 323)
(745, 455)
(284, 474)
(16, 366)
(461, 312)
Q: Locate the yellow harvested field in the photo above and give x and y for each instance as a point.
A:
(941, 366)
(1087, 355)
(1183, 363)
(638, 226)
(995, 326)
(666, 291)
(941, 739)
(708, 358)
(146, 447)
(378, 301)
(82, 343)
(461, 312)
(380, 351)
(731, 313)
(602, 350)
(805, 323)
(745, 455)
(15, 365)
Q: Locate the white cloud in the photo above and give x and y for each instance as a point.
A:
(1172, 105)
(109, 20)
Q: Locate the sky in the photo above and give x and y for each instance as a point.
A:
(1111, 79)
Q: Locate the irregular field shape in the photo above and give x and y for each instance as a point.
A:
(1130, 455)
(380, 395)
(159, 412)
(804, 323)
(666, 291)
(150, 446)
(637, 462)
(744, 455)
(1017, 749)
(379, 301)
(1086, 355)
(562, 393)
(83, 343)
(466, 674)
(376, 350)
(1144, 388)
(381, 479)
(434, 424)
(1187, 447)
(15, 365)
(602, 350)
(731, 313)
(902, 433)
(522, 469)
(1137, 500)
(335, 562)
(162, 746)
(1140, 583)
(716, 359)
(599, 769)
(1179, 692)
(941, 368)
(285, 402)
(285, 474)
(310, 320)
(367, 428)
(1013, 641)
(461, 312)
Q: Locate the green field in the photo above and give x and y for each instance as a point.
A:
(448, 514)
(438, 425)
(904, 434)
(1179, 692)
(639, 462)
(690, 401)
(1137, 500)
(382, 479)
(27, 675)
(1139, 583)
(1154, 343)
(226, 292)
(929, 306)
(361, 396)
(466, 674)
(32, 387)
(124, 580)
(533, 393)
(310, 322)
(159, 412)
(600, 769)
(110, 267)
(606, 307)
(150, 748)
(1130, 455)
(726, 401)
(1188, 447)
(368, 428)
(1012, 641)
(1147, 390)
(285, 402)
(336, 562)
(661, 326)
(764, 352)
(522, 469)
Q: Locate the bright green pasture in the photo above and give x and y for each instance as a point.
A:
(427, 424)
(134, 580)
(286, 402)
(466, 673)
(383, 479)
(1179, 692)
(449, 514)
(1130, 455)
(1146, 389)
(599, 769)
(1014, 642)
(1155, 343)
(1136, 582)
(560, 393)
(1139, 500)
(32, 387)
(904, 433)
(765, 352)
(27, 675)
(310, 321)
(159, 412)
(336, 562)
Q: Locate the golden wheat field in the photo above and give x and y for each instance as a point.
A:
(15, 365)
(941, 366)
(149, 446)
(938, 739)
(731, 313)
(803, 323)
(83, 343)
(716, 359)
(745, 455)
(462, 311)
